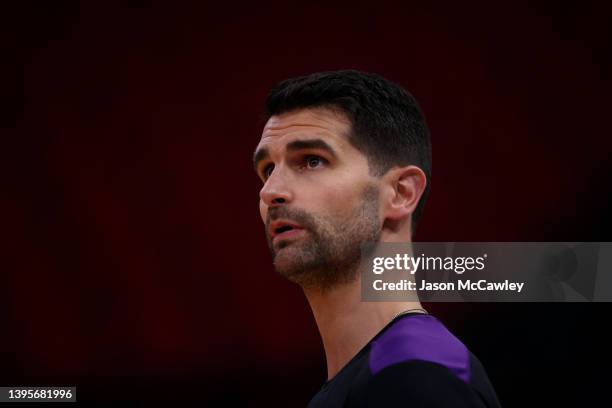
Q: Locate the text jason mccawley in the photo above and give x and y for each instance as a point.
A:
(458, 265)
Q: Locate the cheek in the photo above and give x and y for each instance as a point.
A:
(337, 202)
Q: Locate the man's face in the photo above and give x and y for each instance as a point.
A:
(318, 202)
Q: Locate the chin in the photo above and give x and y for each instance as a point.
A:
(289, 262)
(287, 258)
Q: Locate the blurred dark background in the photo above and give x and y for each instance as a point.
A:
(134, 263)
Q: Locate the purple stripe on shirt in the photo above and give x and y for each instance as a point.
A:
(420, 337)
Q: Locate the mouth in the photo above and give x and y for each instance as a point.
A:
(283, 230)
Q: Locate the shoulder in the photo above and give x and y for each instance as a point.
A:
(417, 361)
(420, 383)
(420, 338)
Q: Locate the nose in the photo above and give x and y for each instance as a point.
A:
(276, 190)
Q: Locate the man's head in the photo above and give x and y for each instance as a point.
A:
(344, 157)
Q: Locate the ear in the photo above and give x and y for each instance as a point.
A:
(407, 184)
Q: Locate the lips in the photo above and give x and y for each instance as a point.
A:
(284, 229)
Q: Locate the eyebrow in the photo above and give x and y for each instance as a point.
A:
(296, 145)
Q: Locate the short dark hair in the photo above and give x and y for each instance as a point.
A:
(388, 126)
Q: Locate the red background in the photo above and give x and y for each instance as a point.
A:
(134, 259)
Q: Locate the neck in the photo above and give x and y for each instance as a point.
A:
(347, 324)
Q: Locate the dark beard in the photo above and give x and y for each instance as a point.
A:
(330, 253)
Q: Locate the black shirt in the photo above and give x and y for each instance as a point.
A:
(414, 361)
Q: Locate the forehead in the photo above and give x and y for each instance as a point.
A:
(319, 123)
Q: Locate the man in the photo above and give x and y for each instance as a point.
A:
(345, 159)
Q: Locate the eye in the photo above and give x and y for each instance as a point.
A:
(267, 171)
(313, 161)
